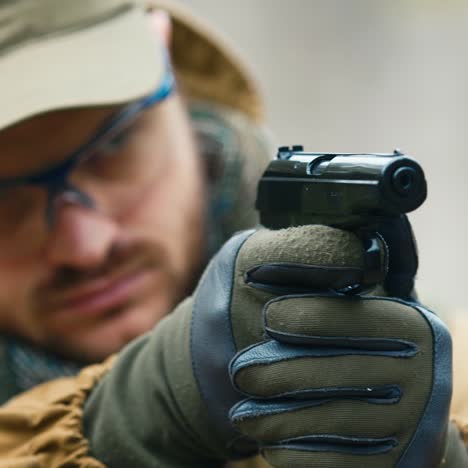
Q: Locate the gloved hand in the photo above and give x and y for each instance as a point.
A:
(268, 356)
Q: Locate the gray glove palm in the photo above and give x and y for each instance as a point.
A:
(265, 356)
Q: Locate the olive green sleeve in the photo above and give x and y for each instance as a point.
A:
(143, 412)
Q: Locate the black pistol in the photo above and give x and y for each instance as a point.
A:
(369, 194)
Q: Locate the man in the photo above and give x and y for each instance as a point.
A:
(86, 281)
(110, 209)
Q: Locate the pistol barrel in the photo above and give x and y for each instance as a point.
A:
(299, 186)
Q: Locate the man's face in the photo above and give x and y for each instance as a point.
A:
(98, 278)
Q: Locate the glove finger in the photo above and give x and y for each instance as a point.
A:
(303, 258)
(318, 247)
(347, 322)
(363, 262)
(295, 456)
(291, 277)
(271, 369)
(304, 245)
(274, 421)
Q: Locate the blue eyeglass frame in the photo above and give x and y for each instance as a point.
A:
(55, 179)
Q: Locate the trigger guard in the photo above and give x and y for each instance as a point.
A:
(375, 260)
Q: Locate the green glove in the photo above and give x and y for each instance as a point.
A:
(269, 355)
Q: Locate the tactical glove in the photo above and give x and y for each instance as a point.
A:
(270, 354)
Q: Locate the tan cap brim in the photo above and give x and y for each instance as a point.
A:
(108, 63)
(208, 68)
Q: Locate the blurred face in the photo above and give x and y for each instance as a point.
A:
(98, 277)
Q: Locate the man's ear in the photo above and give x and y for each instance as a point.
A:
(161, 24)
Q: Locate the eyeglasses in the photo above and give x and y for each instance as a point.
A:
(114, 160)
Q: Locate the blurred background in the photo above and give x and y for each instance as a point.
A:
(362, 75)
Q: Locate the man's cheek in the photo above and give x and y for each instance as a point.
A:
(18, 278)
(175, 220)
(163, 214)
(16, 309)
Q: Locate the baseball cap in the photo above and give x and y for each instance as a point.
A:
(57, 54)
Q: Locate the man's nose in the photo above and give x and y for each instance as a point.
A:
(80, 237)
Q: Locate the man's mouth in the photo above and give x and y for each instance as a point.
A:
(97, 297)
